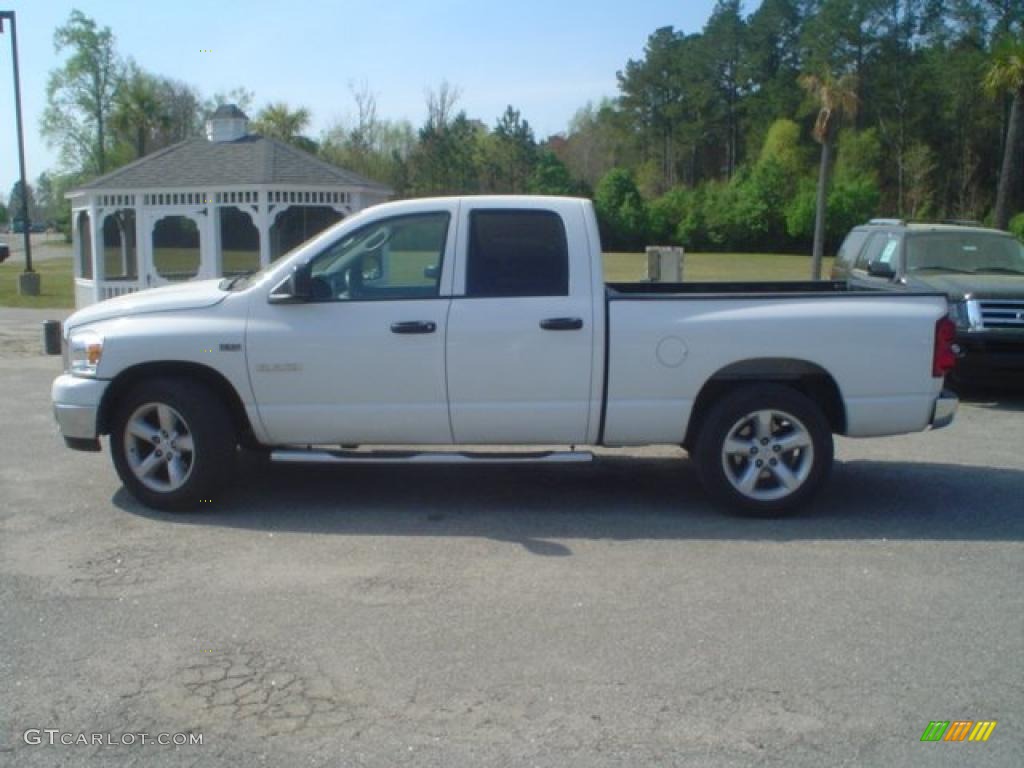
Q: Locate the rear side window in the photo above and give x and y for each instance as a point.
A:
(851, 247)
(517, 253)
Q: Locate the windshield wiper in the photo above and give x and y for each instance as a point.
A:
(230, 282)
(943, 269)
(1001, 270)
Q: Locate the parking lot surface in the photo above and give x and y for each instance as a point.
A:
(600, 615)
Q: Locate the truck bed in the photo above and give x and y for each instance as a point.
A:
(666, 340)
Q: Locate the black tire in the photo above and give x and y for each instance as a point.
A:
(200, 470)
(787, 477)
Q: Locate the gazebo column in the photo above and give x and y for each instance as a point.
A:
(83, 295)
(144, 246)
(123, 237)
(211, 255)
(265, 252)
(99, 271)
(76, 243)
(263, 221)
(140, 267)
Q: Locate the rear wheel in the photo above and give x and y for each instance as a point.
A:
(764, 450)
(172, 443)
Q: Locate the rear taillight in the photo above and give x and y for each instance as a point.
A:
(944, 358)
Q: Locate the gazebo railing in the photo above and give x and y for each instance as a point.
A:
(89, 291)
(109, 290)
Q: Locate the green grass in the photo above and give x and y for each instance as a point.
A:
(184, 260)
(58, 287)
(717, 267)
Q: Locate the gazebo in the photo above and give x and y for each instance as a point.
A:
(206, 207)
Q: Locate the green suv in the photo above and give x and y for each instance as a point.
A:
(980, 270)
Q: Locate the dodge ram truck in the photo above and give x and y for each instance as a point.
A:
(485, 321)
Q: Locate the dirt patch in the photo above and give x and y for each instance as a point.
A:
(21, 330)
(24, 341)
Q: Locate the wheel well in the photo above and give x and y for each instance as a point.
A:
(810, 379)
(215, 381)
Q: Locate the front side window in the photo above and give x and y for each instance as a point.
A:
(517, 253)
(396, 258)
(882, 247)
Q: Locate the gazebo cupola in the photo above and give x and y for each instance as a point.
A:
(227, 123)
(224, 203)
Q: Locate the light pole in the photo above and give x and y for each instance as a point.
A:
(28, 281)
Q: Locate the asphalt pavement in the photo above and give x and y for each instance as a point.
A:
(45, 246)
(601, 615)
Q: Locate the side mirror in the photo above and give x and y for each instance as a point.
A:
(298, 287)
(881, 269)
(371, 274)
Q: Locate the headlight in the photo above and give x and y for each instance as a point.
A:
(85, 349)
(967, 315)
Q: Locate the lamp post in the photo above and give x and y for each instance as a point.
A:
(28, 281)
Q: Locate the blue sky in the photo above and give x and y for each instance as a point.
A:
(546, 58)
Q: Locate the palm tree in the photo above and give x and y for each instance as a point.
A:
(836, 99)
(1006, 76)
(279, 122)
(138, 109)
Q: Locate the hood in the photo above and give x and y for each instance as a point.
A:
(970, 286)
(187, 295)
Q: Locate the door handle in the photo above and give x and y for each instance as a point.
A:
(415, 326)
(562, 324)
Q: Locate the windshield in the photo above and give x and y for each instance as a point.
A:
(965, 253)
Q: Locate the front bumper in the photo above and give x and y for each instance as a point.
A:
(944, 410)
(76, 406)
(990, 355)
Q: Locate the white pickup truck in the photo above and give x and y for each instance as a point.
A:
(486, 321)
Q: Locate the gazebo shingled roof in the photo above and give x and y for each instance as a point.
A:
(249, 160)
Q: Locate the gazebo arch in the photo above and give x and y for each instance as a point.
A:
(200, 179)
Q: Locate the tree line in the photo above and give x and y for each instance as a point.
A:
(742, 136)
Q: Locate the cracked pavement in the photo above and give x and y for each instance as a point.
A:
(590, 616)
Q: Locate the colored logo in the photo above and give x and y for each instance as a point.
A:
(958, 730)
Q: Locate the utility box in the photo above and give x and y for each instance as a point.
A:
(665, 263)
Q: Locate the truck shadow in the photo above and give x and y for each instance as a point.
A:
(996, 399)
(544, 508)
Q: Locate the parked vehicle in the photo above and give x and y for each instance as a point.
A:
(486, 322)
(980, 270)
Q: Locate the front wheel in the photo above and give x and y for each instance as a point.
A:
(172, 443)
(764, 450)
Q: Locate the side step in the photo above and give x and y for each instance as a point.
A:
(309, 456)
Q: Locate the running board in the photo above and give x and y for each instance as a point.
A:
(300, 456)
